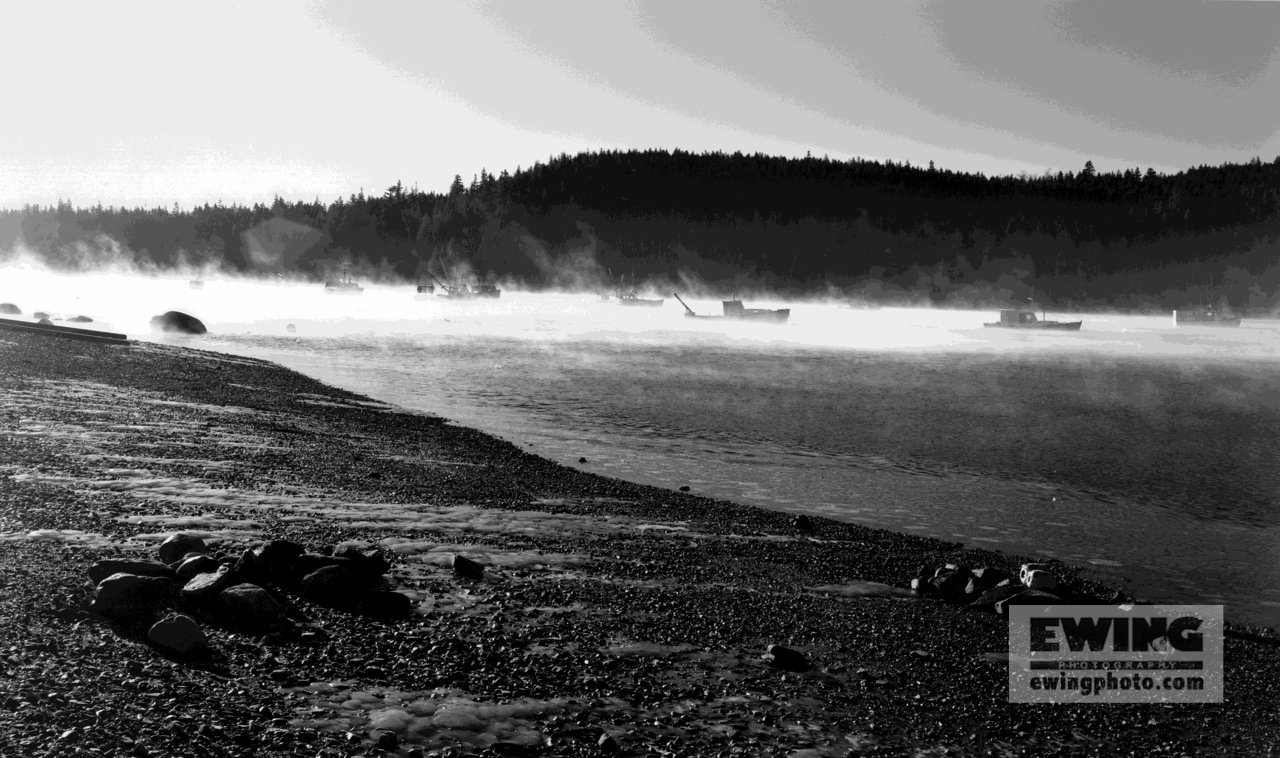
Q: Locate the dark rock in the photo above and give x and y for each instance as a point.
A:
(45, 321)
(785, 658)
(582, 460)
(951, 584)
(1026, 597)
(80, 320)
(386, 739)
(209, 583)
(176, 321)
(131, 599)
(179, 633)
(309, 563)
(177, 546)
(193, 565)
(275, 560)
(987, 577)
(333, 586)
(10, 309)
(467, 568)
(684, 488)
(987, 600)
(41, 315)
(607, 744)
(371, 563)
(803, 523)
(108, 566)
(252, 608)
(387, 604)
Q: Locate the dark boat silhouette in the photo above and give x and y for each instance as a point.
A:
(1203, 315)
(735, 311)
(343, 286)
(1023, 319)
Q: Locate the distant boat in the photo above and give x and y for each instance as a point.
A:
(633, 299)
(1020, 319)
(628, 296)
(343, 286)
(734, 311)
(426, 289)
(461, 290)
(1203, 315)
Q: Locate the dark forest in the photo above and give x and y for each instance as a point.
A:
(858, 229)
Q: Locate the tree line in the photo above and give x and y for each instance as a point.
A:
(855, 228)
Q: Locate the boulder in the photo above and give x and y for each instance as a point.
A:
(179, 322)
(253, 608)
(803, 523)
(987, 577)
(332, 586)
(785, 658)
(275, 560)
(371, 563)
(1027, 568)
(467, 568)
(177, 546)
(1026, 597)
(41, 315)
(309, 563)
(10, 309)
(386, 604)
(131, 599)
(45, 321)
(208, 583)
(80, 320)
(1040, 580)
(196, 564)
(987, 600)
(108, 566)
(179, 633)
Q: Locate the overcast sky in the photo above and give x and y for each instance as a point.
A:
(141, 103)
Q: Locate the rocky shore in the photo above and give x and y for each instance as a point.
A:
(491, 602)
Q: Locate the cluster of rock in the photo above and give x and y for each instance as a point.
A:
(245, 592)
(994, 589)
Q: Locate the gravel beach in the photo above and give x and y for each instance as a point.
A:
(610, 617)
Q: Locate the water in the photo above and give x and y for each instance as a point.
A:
(1144, 451)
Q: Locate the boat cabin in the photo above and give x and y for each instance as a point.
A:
(1017, 317)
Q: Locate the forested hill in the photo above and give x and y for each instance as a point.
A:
(812, 225)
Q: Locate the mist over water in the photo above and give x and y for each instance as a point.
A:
(1144, 450)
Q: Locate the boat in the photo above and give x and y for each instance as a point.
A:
(734, 311)
(461, 290)
(1023, 319)
(1203, 315)
(343, 286)
(426, 289)
(47, 327)
(634, 299)
(629, 296)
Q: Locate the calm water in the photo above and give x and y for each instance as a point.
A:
(1145, 451)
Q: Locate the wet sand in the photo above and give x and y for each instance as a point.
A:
(607, 608)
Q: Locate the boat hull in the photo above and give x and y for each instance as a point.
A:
(1068, 326)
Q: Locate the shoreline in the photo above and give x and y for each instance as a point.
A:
(608, 608)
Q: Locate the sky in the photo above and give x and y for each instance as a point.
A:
(140, 103)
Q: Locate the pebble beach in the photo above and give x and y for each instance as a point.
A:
(608, 618)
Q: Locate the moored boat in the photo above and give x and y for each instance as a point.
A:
(1020, 319)
(734, 311)
(633, 299)
(1204, 315)
(343, 286)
